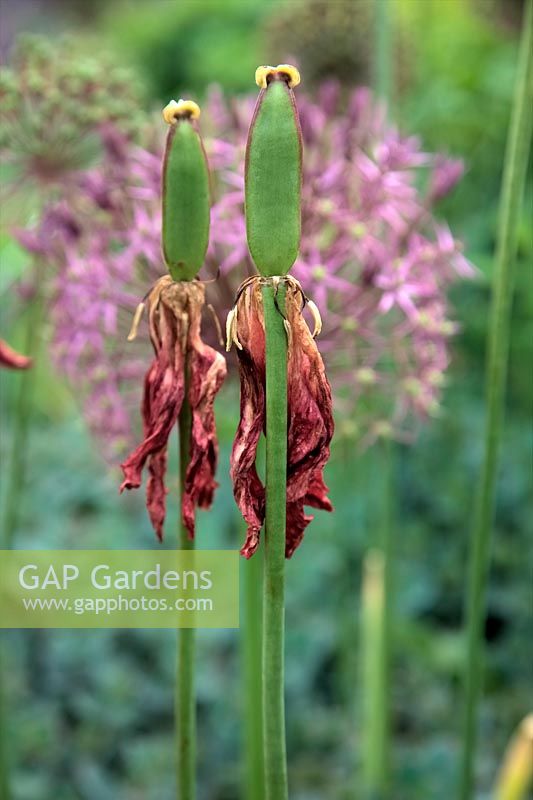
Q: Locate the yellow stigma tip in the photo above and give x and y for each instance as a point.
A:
(183, 109)
(263, 73)
(261, 76)
(292, 72)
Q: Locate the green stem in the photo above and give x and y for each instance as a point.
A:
(21, 423)
(16, 480)
(387, 542)
(185, 692)
(383, 50)
(514, 174)
(274, 577)
(5, 793)
(349, 624)
(377, 643)
(252, 634)
(372, 602)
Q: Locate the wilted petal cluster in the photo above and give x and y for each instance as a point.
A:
(184, 367)
(310, 418)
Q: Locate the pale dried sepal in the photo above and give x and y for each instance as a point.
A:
(317, 319)
(139, 311)
(231, 330)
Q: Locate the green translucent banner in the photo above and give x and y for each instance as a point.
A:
(119, 589)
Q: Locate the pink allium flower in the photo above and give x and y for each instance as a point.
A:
(103, 259)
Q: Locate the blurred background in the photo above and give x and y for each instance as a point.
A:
(90, 713)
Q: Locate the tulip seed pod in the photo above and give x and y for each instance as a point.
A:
(185, 193)
(274, 173)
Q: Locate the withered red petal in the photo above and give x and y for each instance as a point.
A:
(156, 491)
(207, 370)
(163, 396)
(11, 359)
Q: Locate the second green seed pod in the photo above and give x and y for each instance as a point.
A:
(274, 174)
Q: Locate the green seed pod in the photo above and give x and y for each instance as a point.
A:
(185, 193)
(274, 173)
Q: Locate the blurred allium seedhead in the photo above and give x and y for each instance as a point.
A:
(327, 39)
(373, 257)
(55, 102)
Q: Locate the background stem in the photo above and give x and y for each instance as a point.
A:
(185, 691)
(251, 638)
(376, 643)
(5, 792)
(16, 475)
(514, 174)
(274, 578)
(372, 598)
(383, 62)
(377, 629)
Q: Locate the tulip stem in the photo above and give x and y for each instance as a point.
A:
(383, 62)
(185, 692)
(274, 576)
(514, 175)
(252, 606)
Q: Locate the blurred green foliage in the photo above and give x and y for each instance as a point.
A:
(460, 68)
(183, 47)
(91, 712)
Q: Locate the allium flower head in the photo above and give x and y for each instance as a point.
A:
(103, 247)
(55, 101)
